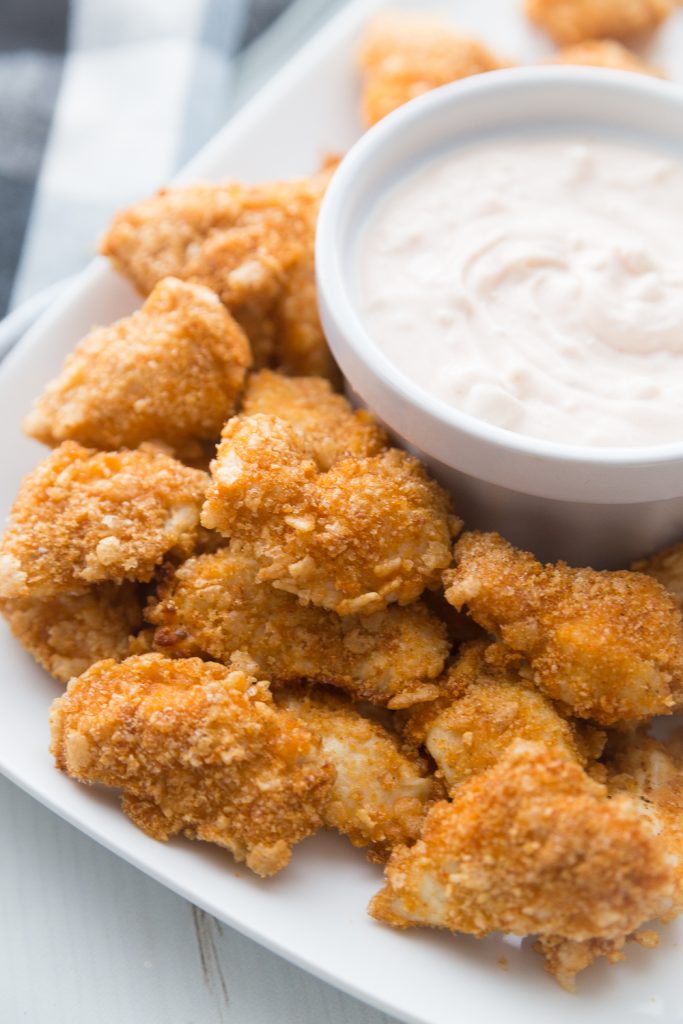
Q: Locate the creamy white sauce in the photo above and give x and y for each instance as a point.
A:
(537, 284)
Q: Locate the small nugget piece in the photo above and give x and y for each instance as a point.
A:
(667, 567)
(68, 634)
(481, 712)
(172, 372)
(403, 55)
(214, 605)
(575, 21)
(531, 846)
(651, 771)
(608, 644)
(325, 422)
(380, 794)
(250, 244)
(84, 517)
(198, 750)
(604, 53)
(369, 532)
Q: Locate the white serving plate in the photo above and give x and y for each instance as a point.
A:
(314, 913)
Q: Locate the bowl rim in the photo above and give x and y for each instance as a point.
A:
(332, 276)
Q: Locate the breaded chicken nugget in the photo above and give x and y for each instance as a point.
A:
(608, 644)
(575, 21)
(605, 53)
(404, 54)
(667, 567)
(196, 749)
(481, 712)
(329, 428)
(214, 605)
(369, 532)
(68, 634)
(172, 372)
(380, 794)
(531, 846)
(251, 244)
(84, 517)
(651, 772)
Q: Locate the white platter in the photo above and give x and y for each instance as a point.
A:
(314, 913)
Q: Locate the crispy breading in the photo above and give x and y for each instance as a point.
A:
(84, 517)
(68, 634)
(214, 605)
(607, 644)
(605, 53)
(251, 244)
(172, 372)
(369, 532)
(667, 567)
(575, 21)
(404, 54)
(532, 846)
(482, 711)
(196, 749)
(324, 420)
(381, 793)
(651, 771)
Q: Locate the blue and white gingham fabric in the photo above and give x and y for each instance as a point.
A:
(102, 100)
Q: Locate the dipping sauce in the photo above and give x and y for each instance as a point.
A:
(537, 284)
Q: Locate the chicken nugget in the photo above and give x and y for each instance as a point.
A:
(482, 711)
(215, 605)
(324, 420)
(532, 846)
(69, 633)
(369, 532)
(405, 54)
(380, 794)
(84, 517)
(604, 53)
(196, 749)
(251, 244)
(666, 567)
(607, 644)
(172, 372)
(575, 21)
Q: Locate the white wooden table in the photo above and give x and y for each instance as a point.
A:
(87, 939)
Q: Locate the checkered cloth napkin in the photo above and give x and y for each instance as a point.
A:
(102, 100)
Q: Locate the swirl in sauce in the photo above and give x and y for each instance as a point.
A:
(537, 284)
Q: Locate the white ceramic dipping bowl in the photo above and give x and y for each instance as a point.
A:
(590, 506)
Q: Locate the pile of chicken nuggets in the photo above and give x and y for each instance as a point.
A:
(272, 621)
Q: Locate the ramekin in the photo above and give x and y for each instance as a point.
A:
(589, 506)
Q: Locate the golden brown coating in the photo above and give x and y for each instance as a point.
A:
(482, 711)
(403, 55)
(84, 517)
(198, 750)
(651, 771)
(574, 21)
(251, 244)
(607, 644)
(380, 794)
(667, 567)
(369, 532)
(532, 847)
(604, 53)
(172, 372)
(68, 634)
(325, 422)
(214, 605)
